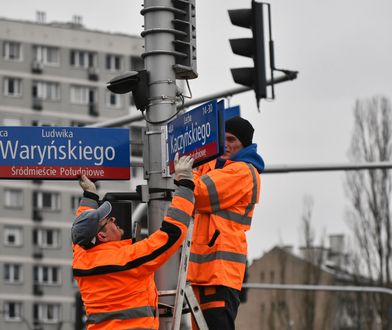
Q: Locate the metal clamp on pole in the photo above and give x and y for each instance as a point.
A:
(146, 154)
(162, 194)
(165, 153)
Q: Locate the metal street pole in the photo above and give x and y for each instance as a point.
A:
(327, 167)
(159, 60)
(308, 287)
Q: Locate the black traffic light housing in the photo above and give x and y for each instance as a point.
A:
(184, 24)
(251, 47)
(132, 81)
(256, 77)
(184, 31)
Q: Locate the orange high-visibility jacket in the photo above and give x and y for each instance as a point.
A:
(225, 200)
(116, 279)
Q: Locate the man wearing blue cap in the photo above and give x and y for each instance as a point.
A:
(116, 277)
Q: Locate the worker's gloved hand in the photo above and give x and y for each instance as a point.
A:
(87, 185)
(183, 167)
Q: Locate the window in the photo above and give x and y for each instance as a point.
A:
(45, 90)
(46, 201)
(136, 172)
(13, 273)
(83, 59)
(47, 275)
(113, 100)
(13, 198)
(13, 236)
(46, 55)
(82, 95)
(136, 138)
(113, 62)
(12, 87)
(46, 238)
(42, 123)
(75, 201)
(46, 313)
(12, 51)
(272, 276)
(12, 311)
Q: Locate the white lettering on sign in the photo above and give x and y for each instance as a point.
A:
(3, 133)
(208, 108)
(68, 151)
(195, 134)
(187, 118)
(54, 133)
(52, 171)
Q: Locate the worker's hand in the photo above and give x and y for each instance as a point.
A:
(183, 167)
(87, 185)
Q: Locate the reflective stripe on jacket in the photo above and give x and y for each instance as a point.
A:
(225, 201)
(116, 279)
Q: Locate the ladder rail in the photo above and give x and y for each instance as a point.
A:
(181, 281)
(184, 288)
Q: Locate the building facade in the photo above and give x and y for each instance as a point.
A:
(299, 310)
(53, 74)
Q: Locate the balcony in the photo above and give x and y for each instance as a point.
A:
(92, 74)
(37, 67)
(93, 110)
(37, 253)
(37, 104)
(37, 290)
(37, 216)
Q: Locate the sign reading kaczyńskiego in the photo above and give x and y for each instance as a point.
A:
(198, 133)
(64, 153)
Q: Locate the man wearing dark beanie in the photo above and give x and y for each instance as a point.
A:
(226, 191)
(242, 129)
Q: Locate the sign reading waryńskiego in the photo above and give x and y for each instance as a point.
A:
(198, 132)
(64, 153)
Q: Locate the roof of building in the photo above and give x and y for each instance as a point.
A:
(68, 26)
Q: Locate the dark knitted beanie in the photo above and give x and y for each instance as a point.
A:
(241, 129)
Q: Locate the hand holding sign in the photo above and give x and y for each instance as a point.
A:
(87, 185)
(183, 167)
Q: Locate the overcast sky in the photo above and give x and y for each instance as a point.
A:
(342, 50)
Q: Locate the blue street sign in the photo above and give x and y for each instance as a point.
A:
(64, 153)
(232, 112)
(198, 132)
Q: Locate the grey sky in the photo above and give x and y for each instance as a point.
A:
(342, 50)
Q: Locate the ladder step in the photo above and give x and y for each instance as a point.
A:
(165, 293)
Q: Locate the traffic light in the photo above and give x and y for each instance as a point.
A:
(184, 24)
(251, 47)
(132, 81)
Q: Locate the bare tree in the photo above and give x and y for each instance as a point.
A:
(369, 193)
(314, 255)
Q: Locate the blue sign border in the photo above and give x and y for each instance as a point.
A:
(48, 152)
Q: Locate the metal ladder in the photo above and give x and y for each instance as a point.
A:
(184, 289)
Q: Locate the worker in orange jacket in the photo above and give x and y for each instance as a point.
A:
(116, 277)
(226, 191)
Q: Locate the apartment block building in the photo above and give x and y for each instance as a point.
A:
(53, 74)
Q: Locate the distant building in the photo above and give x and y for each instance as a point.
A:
(53, 74)
(299, 310)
